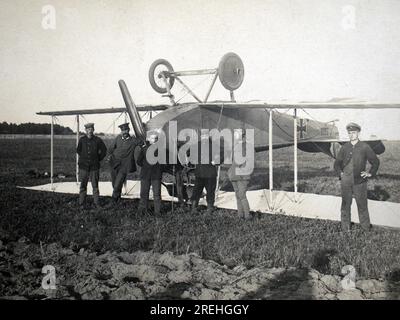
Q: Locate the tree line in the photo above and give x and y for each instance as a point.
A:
(33, 128)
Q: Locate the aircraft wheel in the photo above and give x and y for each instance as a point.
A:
(231, 71)
(155, 78)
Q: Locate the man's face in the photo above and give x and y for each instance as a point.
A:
(353, 135)
(125, 133)
(153, 139)
(89, 132)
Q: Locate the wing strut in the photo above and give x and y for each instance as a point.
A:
(270, 147)
(77, 156)
(52, 153)
(295, 153)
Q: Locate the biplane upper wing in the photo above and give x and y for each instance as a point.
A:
(330, 104)
(102, 110)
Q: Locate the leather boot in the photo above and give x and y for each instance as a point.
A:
(210, 208)
(157, 206)
(346, 227)
(96, 201)
(194, 206)
(142, 208)
(82, 198)
(112, 204)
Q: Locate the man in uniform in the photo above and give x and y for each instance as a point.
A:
(205, 176)
(121, 157)
(91, 150)
(150, 175)
(350, 166)
(239, 178)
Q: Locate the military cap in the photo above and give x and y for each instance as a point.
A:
(89, 125)
(353, 127)
(124, 126)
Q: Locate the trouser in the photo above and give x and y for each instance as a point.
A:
(84, 177)
(359, 191)
(145, 190)
(210, 185)
(118, 178)
(240, 188)
(179, 187)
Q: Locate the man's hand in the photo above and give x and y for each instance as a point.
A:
(365, 174)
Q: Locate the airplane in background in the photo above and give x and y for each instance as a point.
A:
(311, 135)
(271, 127)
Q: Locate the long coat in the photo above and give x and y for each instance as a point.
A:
(91, 152)
(148, 171)
(361, 152)
(122, 154)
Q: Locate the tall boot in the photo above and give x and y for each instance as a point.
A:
(112, 204)
(82, 198)
(96, 200)
(210, 208)
(195, 203)
(142, 208)
(157, 206)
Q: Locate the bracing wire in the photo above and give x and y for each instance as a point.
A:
(83, 117)
(112, 123)
(302, 109)
(194, 87)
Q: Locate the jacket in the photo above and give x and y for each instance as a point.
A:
(91, 152)
(122, 154)
(207, 170)
(361, 152)
(148, 171)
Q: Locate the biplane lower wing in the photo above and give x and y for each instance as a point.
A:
(331, 147)
(328, 147)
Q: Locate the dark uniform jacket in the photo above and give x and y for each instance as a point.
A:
(207, 170)
(122, 154)
(361, 152)
(91, 152)
(148, 171)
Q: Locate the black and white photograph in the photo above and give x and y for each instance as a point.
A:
(218, 152)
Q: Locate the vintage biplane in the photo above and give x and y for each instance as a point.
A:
(272, 128)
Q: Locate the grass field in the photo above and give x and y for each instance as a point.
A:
(268, 240)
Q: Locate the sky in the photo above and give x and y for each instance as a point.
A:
(294, 50)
